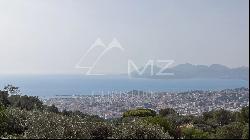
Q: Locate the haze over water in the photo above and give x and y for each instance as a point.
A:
(45, 37)
(51, 85)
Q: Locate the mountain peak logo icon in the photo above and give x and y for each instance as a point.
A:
(98, 44)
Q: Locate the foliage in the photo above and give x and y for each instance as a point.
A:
(223, 117)
(39, 124)
(12, 89)
(25, 102)
(244, 115)
(4, 98)
(2, 120)
(139, 113)
(92, 118)
(230, 131)
(245, 134)
(101, 130)
(139, 130)
(44, 124)
(193, 133)
(217, 118)
(167, 111)
(8, 123)
(49, 125)
(162, 122)
(52, 108)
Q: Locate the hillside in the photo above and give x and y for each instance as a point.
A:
(187, 71)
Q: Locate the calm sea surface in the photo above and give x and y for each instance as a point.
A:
(51, 85)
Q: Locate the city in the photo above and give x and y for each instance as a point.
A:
(185, 103)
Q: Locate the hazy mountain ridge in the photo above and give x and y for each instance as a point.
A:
(187, 71)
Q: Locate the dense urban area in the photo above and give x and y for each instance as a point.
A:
(185, 103)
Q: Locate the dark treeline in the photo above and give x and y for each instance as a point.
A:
(27, 117)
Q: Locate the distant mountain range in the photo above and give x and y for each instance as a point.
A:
(187, 71)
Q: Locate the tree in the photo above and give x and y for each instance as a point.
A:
(101, 131)
(9, 124)
(223, 117)
(12, 90)
(4, 98)
(2, 120)
(52, 108)
(167, 111)
(167, 125)
(139, 130)
(208, 115)
(219, 117)
(245, 134)
(193, 133)
(47, 125)
(139, 113)
(66, 113)
(244, 114)
(25, 102)
(230, 131)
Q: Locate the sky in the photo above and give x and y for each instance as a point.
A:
(52, 36)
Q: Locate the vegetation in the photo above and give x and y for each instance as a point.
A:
(230, 131)
(26, 117)
(167, 111)
(194, 133)
(139, 113)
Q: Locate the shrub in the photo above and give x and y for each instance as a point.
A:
(4, 98)
(193, 133)
(231, 131)
(163, 122)
(25, 102)
(245, 134)
(139, 130)
(167, 111)
(139, 113)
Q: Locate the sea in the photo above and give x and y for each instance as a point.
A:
(46, 86)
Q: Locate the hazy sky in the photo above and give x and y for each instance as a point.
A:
(50, 36)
